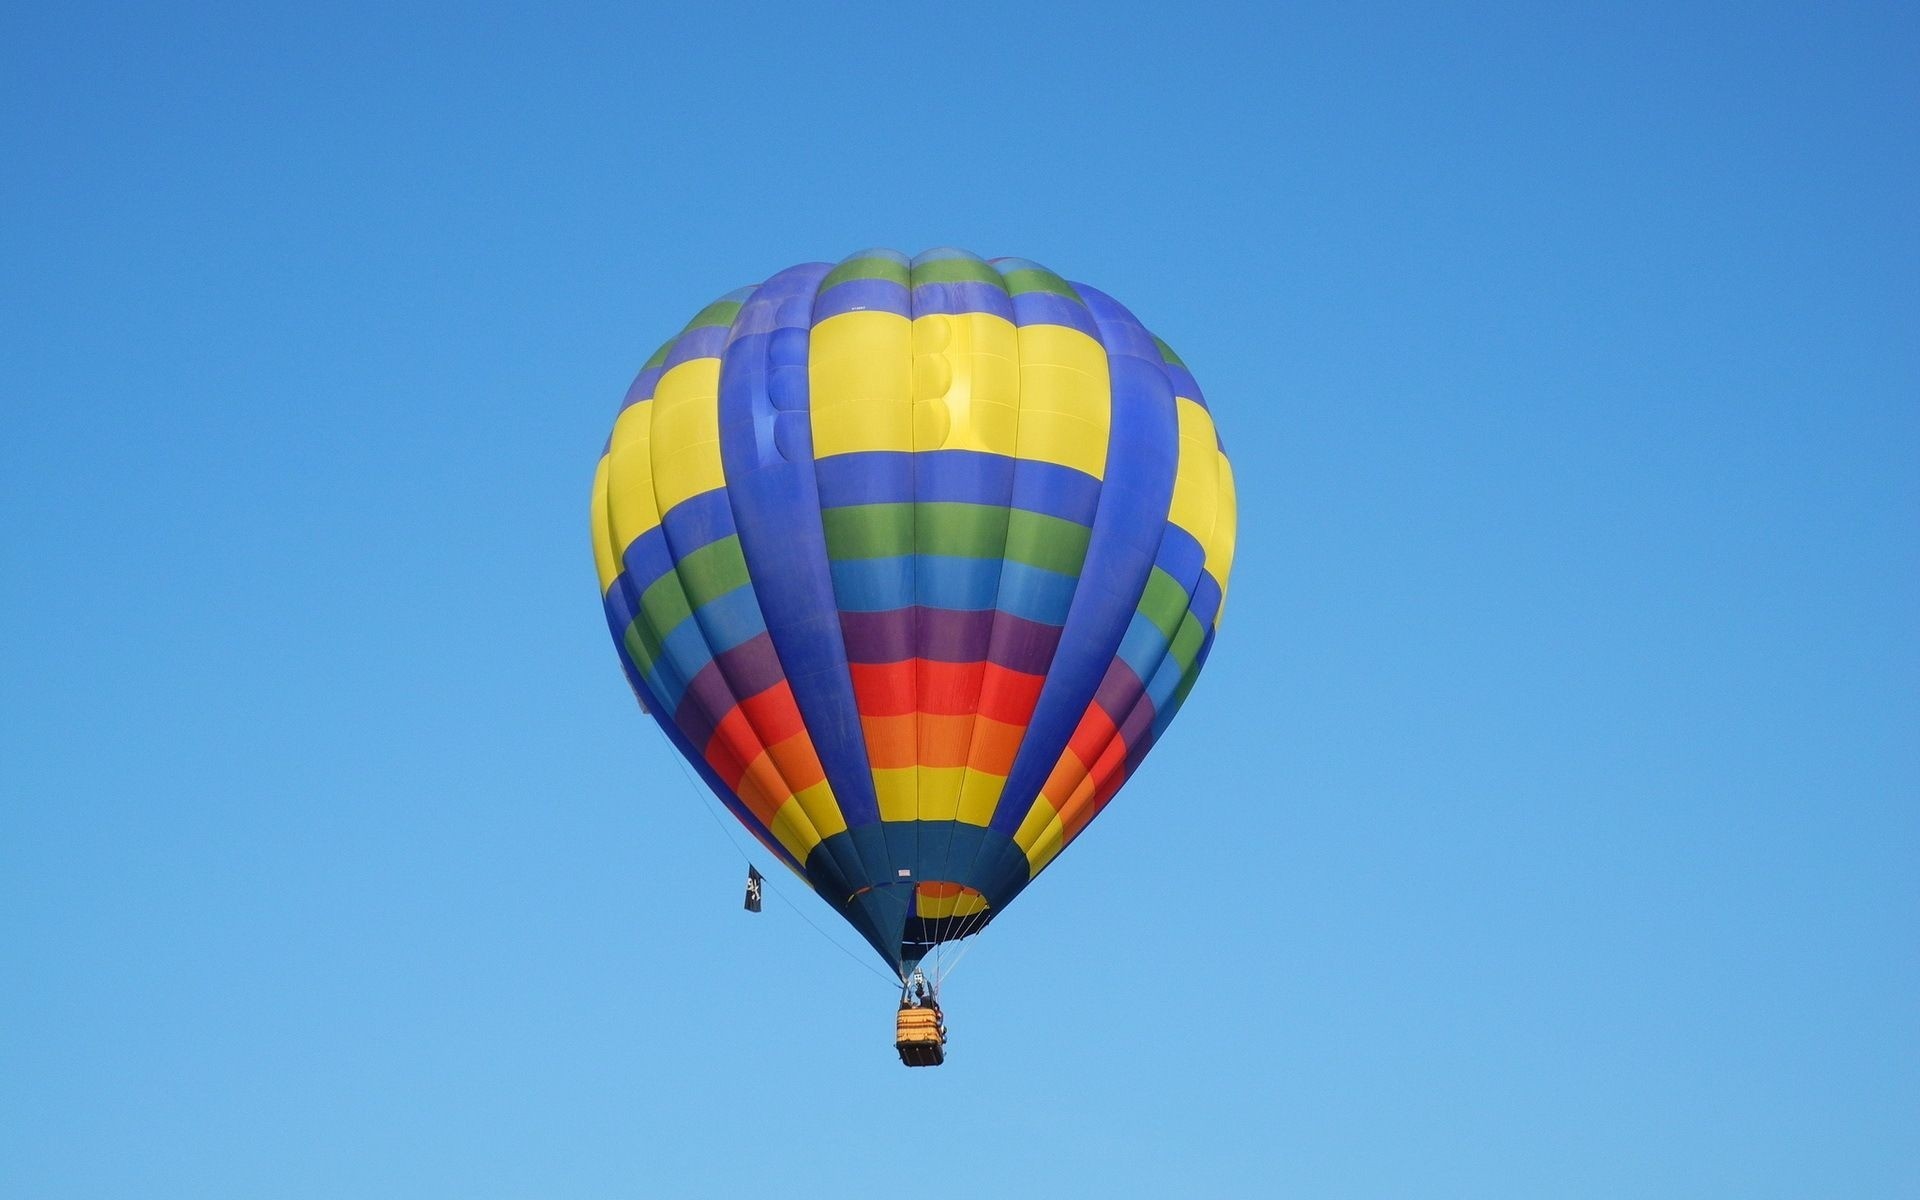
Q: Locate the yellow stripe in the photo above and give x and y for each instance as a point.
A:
(631, 509)
(822, 809)
(1066, 398)
(1040, 836)
(860, 376)
(971, 381)
(966, 383)
(897, 789)
(961, 905)
(792, 830)
(686, 432)
(606, 560)
(979, 795)
(1196, 487)
(937, 794)
(1220, 542)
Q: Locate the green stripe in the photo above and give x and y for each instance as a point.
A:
(866, 268)
(720, 312)
(1163, 603)
(1166, 352)
(709, 572)
(660, 355)
(1186, 643)
(712, 571)
(664, 604)
(1052, 543)
(1038, 279)
(643, 646)
(957, 270)
(987, 531)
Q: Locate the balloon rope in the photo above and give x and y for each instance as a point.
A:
(707, 804)
(968, 927)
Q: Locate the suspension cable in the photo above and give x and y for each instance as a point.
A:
(707, 805)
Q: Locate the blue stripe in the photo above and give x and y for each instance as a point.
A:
(730, 619)
(699, 521)
(1144, 646)
(1206, 599)
(964, 296)
(662, 716)
(1036, 594)
(862, 295)
(705, 342)
(1184, 384)
(1165, 680)
(715, 628)
(1163, 715)
(947, 582)
(1142, 456)
(682, 653)
(1048, 308)
(642, 387)
(1180, 555)
(695, 522)
(957, 476)
(776, 505)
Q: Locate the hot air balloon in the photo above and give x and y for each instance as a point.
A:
(914, 559)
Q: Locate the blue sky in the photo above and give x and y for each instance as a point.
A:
(1545, 823)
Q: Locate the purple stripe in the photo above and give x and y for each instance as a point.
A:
(943, 635)
(1119, 691)
(1023, 645)
(862, 295)
(1138, 722)
(744, 671)
(878, 637)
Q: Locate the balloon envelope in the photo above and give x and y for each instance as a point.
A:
(914, 560)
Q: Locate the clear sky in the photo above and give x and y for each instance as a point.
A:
(1546, 824)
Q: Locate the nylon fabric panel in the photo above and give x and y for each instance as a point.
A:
(967, 393)
(915, 560)
(1134, 500)
(706, 650)
(619, 523)
(767, 451)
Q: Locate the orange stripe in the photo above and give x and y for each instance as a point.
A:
(944, 741)
(762, 789)
(994, 746)
(1090, 797)
(797, 763)
(1067, 775)
(889, 741)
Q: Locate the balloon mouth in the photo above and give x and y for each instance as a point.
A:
(935, 900)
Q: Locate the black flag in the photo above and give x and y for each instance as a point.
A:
(753, 889)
